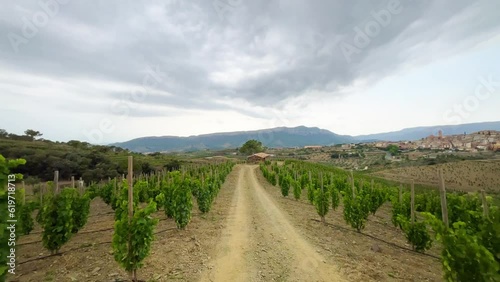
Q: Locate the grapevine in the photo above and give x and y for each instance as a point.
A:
(132, 241)
(58, 220)
(322, 202)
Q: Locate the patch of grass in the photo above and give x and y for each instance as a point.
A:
(49, 276)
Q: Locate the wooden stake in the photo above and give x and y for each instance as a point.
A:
(24, 194)
(321, 179)
(372, 185)
(73, 182)
(41, 194)
(442, 191)
(56, 181)
(80, 186)
(486, 210)
(400, 193)
(412, 202)
(352, 185)
(130, 177)
(130, 188)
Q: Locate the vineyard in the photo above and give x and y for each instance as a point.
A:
(170, 220)
(464, 227)
(60, 214)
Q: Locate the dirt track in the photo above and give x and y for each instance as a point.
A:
(260, 244)
(252, 233)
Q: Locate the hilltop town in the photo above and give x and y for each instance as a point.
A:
(377, 155)
(477, 141)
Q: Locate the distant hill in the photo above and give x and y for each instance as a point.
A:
(274, 137)
(289, 137)
(417, 133)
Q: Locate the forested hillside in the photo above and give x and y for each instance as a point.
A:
(75, 158)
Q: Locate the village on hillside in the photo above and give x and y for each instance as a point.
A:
(369, 155)
(478, 141)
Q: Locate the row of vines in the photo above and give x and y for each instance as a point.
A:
(470, 238)
(61, 214)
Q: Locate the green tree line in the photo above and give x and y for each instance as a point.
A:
(75, 158)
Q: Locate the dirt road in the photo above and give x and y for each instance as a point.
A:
(260, 244)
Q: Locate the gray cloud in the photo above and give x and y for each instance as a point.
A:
(261, 51)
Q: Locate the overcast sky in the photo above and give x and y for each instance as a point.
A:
(106, 71)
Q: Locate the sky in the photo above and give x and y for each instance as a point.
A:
(110, 71)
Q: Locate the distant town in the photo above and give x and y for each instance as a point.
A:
(474, 142)
(478, 141)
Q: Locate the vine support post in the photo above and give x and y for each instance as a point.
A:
(321, 179)
(115, 186)
(310, 177)
(41, 194)
(80, 186)
(442, 191)
(412, 202)
(130, 179)
(24, 194)
(352, 185)
(400, 193)
(56, 181)
(372, 185)
(73, 182)
(486, 210)
(322, 195)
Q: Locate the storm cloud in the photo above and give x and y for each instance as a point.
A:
(263, 53)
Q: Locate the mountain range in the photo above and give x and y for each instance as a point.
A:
(290, 137)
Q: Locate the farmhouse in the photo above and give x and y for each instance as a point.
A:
(258, 157)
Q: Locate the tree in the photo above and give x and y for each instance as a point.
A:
(3, 133)
(393, 149)
(173, 165)
(32, 133)
(251, 147)
(146, 168)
